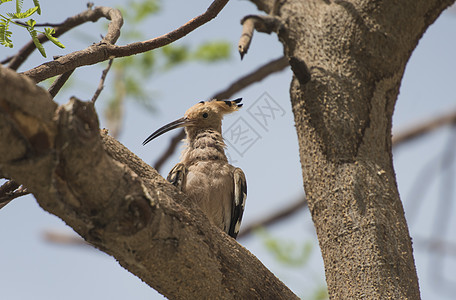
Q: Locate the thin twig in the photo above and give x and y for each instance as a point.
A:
(170, 150)
(444, 209)
(9, 191)
(114, 112)
(423, 128)
(7, 60)
(90, 15)
(64, 239)
(274, 218)
(59, 82)
(40, 24)
(436, 245)
(246, 36)
(266, 24)
(102, 80)
(104, 51)
(259, 74)
(243, 82)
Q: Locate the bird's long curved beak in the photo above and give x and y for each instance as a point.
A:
(173, 125)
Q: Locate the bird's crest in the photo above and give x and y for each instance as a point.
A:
(205, 114)
(219, 107)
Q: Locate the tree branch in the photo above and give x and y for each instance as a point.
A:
(116, 202)
(257, 75)
(103, 51)
(102, 80)
(64, 239)
(59, 82)
(89, 15)
(246, 36)
(266, 24)
(423, 128)
(274, 218)
(265, 5)
(9, 191)
(436, 245)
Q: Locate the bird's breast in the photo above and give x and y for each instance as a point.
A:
(204, 145)
(210, 185)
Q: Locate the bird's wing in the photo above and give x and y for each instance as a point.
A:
(239, 197)
(178, 175)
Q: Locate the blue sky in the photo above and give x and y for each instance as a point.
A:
(31, 268)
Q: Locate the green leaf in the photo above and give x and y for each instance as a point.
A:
(30, 11)
(133, 88)
(175, 54)
(5, 34)
(19, 5)
(143, 9)
(37, 43)
(213, 51)
(23, 15)
(5, 40)
(124, 62)
(49, 32)
(137, 11)
(147, 61)
(31, 23)
(4, 1)
(321, 293)
(285, 251)
(37, 4)
(131, 35)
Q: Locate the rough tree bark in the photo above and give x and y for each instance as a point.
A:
(348, 58)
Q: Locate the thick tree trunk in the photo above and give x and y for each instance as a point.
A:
(348, 58)
(117, 202)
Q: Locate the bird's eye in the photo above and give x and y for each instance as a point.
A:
(205, 115)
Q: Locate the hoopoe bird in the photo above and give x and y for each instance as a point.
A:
(204, 174)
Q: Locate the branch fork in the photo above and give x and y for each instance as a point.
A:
(266, 24)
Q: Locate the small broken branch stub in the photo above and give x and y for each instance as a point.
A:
(266, 24)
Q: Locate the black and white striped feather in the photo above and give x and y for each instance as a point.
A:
(239, 197)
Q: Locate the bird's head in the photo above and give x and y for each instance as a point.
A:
(203, 115)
